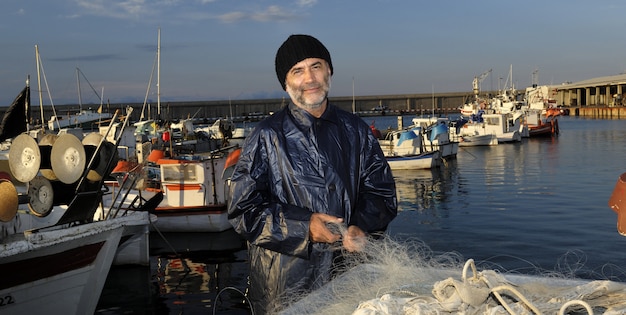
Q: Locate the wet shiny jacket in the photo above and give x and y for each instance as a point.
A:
(291, 166)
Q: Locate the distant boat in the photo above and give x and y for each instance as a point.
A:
(426, 160)
(404, 149)
(542, 125)
(436, 135)
(76, 120)
(505, 127)
(541, 116)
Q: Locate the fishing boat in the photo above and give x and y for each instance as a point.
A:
(477, 103)
(63, 265)
(542, 125)
(541, 115)
(79, 118)
(226, 130)
(470, 138)
(48, 175)
(436, 135)
(404, 149)
(61, 269)
(194, 189)
(505, 127)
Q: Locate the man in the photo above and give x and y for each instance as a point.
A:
(308, 166)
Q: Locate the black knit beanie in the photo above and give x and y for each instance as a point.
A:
(295, 49)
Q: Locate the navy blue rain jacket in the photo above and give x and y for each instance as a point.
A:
(291, 166)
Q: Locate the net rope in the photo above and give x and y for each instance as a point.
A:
(392, 277)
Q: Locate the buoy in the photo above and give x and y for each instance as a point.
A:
(232, 158)
(156, 155)
(166, 136)
(617, 202)
(8, 206)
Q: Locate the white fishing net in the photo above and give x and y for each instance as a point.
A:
(392, 277)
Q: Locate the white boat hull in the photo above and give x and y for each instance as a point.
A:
(478, 140)
(427, 160)
(134, 250)
(61, 271)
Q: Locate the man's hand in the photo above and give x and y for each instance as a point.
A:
(355, 239)
(319, 232)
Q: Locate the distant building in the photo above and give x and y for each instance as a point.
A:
(603, 91)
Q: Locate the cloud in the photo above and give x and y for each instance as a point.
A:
(99, 57)
(120, 9)
(132, 9)
(272, 13)
(306, 3)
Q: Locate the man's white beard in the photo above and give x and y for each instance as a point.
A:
(298, 97)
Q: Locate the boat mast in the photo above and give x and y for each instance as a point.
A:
(39, 84)
(353, 102)
(230, 107)
(433, 96)
(80, 101)
(27, 107)
(159, 75)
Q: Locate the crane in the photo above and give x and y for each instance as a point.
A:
(478, 80)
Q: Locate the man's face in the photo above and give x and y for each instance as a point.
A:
(308, 83)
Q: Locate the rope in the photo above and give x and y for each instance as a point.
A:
(517, 294)
(236, 290)
(579, 302)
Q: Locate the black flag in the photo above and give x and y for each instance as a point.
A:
(16, 118)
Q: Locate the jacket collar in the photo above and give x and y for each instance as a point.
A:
(303, 118)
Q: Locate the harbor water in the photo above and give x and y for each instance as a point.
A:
(532, 207)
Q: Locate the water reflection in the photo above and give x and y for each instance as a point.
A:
(190, 273)
(427, 191)
(192, 268)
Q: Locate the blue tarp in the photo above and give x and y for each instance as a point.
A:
(406, 135)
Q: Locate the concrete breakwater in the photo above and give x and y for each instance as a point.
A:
(439, 104)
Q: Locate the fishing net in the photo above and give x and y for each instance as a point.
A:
(393, 277)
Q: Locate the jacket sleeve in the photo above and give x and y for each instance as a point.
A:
(255, 214)
(377, 204)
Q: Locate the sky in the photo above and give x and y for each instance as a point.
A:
(225, 49)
